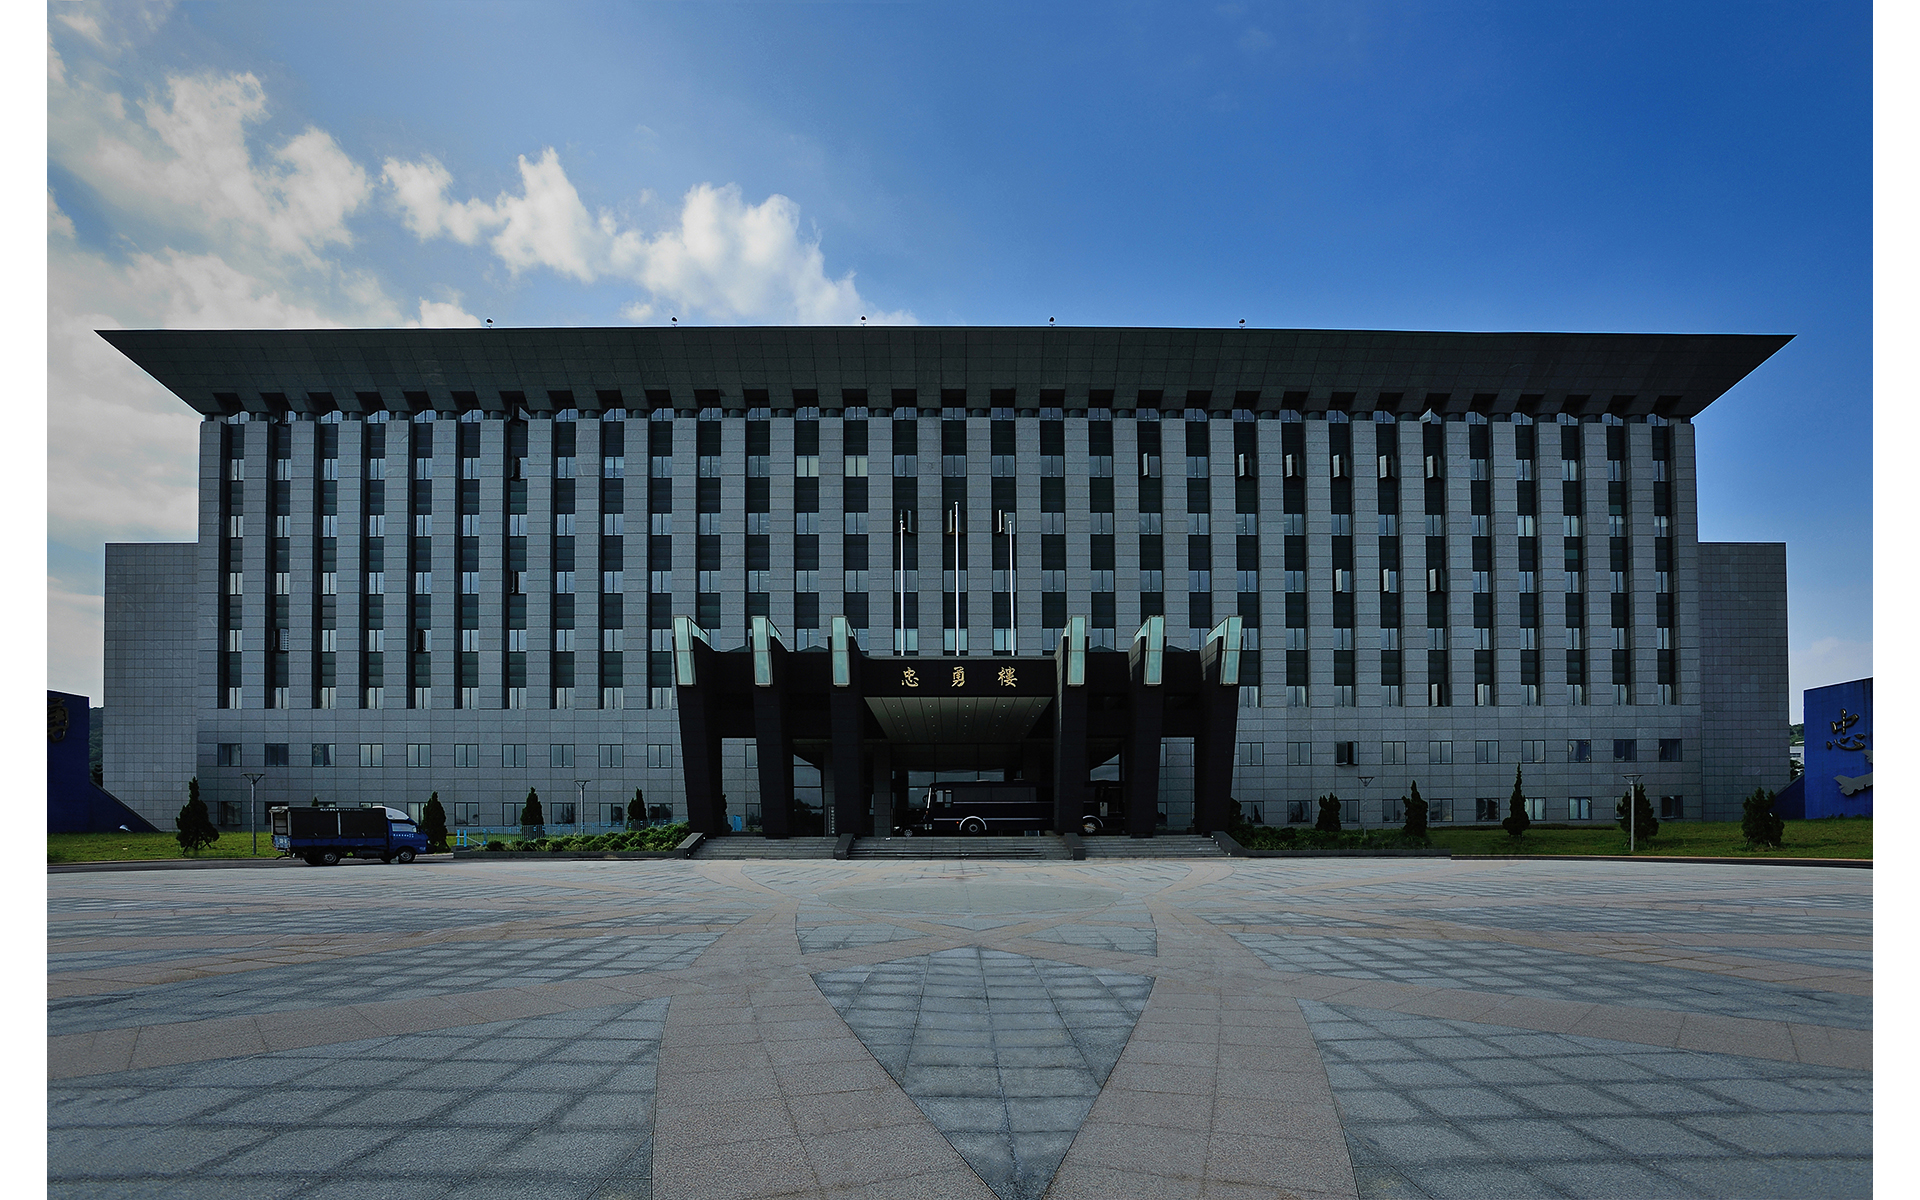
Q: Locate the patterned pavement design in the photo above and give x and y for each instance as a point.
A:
(1550, 974)
(1004, 1053)
(557, 1106)
(1322, 1029)
(1455, 1108)
(395, 975)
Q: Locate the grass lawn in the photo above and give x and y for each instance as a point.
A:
(1839, 837)
(98, 847)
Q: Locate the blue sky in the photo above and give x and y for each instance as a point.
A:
(1684, 167)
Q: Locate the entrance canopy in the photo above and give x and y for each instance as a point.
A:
(1043, 719)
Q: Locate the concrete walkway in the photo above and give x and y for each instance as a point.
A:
(732, 1029)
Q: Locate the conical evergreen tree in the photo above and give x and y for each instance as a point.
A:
(1329, 821)
(433, 823)
(1645, 824)
(533, 822)
(1758, 822)
(1517, 818)
(196, 830)
(1416, 812)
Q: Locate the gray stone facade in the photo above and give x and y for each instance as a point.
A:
(1743, 625)
(688, 492)
(153, 656)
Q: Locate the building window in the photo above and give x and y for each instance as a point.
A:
(560, 757)
(613, 757)
(1626, 750)
(1579, 750)
(279, 754)
(227, 754)
(419, 754)
(1536, 808)
(1669, 749)
(613, 698)
(322, 754)
(1486, 752)
(1580, 808)
(660, 757)
(1672, 808)
(1439, 752)
(1485, 809)
(466, 754)
(373, 754)
(1533, 751)
(1253, 754)
(1299, 754)
(1393, 754)
(563, 697)
(513, 756)
(1343, 754)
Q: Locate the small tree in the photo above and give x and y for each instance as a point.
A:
(637, 811)
(1758, 822)
(196, 829)
(1517, 818)
(1645, 824)
(1329, 821)
(433, 823)
(1416, 811)
(533, 822)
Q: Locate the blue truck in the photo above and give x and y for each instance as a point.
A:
(323, 835)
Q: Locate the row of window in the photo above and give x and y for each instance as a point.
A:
(1440, 810)
(1534, 750)
(420, 754)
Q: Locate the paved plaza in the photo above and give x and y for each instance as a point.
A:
(712, 1030)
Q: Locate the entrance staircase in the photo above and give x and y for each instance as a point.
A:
(749, 845)
(1165, 845)
(1049, 847)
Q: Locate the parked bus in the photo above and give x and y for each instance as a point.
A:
(974, 808)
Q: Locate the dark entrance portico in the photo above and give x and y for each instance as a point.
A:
(867, 720)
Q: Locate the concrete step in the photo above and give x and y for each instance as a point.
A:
(1165, 845)
(751, 845)
(1028, 848)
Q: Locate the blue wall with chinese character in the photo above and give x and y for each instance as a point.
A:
(75, 804)
(1839, 750)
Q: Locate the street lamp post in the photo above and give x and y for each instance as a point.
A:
(580, 807)
(1633, 808)
(253, 778)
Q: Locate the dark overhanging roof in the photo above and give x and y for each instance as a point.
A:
(221, 372)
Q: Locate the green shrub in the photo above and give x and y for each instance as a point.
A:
(496, 845)
(1329, 821)
(1758, 822)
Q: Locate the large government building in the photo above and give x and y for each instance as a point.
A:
(786, 578)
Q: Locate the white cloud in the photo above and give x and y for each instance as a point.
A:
(724, 257)
(186, 166)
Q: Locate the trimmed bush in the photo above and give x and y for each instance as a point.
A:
(496, 845)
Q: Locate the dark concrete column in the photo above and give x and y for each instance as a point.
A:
(699, 731)
(1070, 726)
(1145, 663)
(773, 741)
(1213, 746)
(883, 809)
(847, 720)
